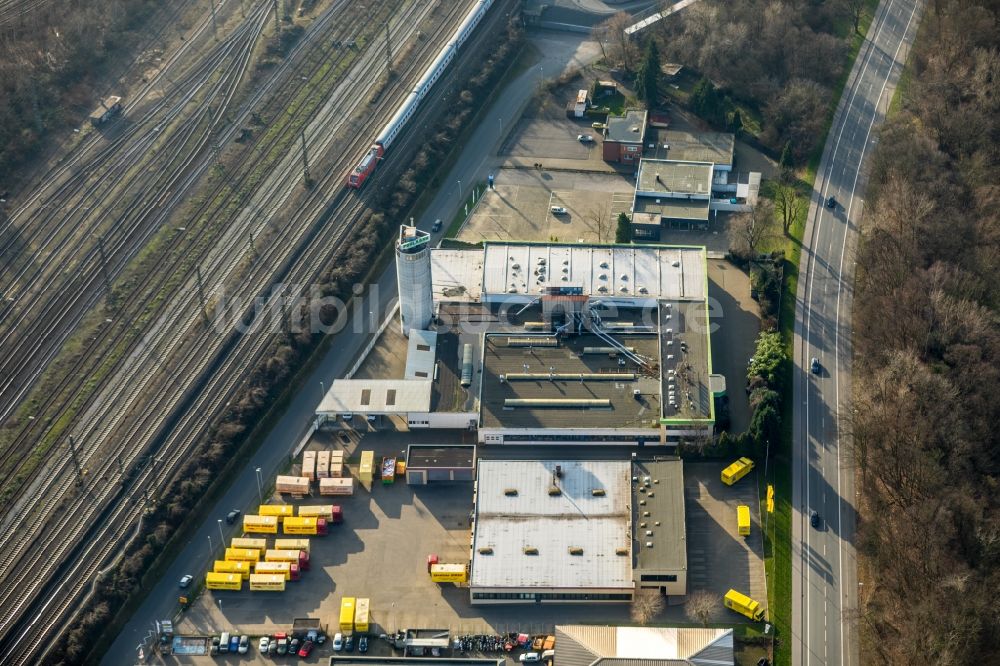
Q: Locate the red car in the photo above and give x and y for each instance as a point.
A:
(306, 648)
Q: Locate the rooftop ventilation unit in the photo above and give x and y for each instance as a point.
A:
(649, 544)
(575, 550)
(621, 551)
(486, 551)
(554, 491)
(530, 550)
(598, 492)
(510, 492)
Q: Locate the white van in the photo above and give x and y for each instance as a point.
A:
(224, 643)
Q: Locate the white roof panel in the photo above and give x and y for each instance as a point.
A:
(420, 355)
(376, 396)
(457, 275)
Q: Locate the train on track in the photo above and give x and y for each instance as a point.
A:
(356, 178)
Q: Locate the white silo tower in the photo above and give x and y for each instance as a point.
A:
(413, 277)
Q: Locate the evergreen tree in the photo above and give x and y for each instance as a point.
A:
(623, 233)
(737, 123)
(648, 76)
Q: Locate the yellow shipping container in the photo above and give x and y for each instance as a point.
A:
(267, 583)
(347, 614)
(260, 524)
(736, 471)
(242, 555)
(280, 511)
(299, 526)
(291, 544)
(743, 605)
(367, 462)
(449, 573)
(361, 615)
(247, 542)
(225, 566)
(283, 568)
(223, 581)
(743, 520)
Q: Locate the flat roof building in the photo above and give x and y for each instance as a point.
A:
(717, 148)
(429, 463)
(551, 531)
(624, 137)
(677, 193)
(599, 645)
(660, 539)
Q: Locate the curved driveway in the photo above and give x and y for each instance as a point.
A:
(824, 581)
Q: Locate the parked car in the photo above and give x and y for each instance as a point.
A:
(232, 516)
(265, 642)
(831, 203)
(584, 138)
(306, 648)
(185, 581)
(363, 644)
(282, 645)
(244, 644)
(349, 644)
(814, 366)
(814, 519)
(215, 645)
(224, 642)
(557, 210)
(338, 642)
(293, 646)
(234, 643)
(599, 125)
(529, 657)
(436, 226)
(272, 646)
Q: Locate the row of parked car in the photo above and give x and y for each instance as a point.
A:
(278, 644)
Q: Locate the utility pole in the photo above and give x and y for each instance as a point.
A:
(104, 266)
(76, 460)
(305, 162)
(388, 48)
(215, 27)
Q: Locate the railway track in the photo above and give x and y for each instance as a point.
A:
(231, 375)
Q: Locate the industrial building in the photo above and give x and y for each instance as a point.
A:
(598, 645)
(561, 343)
(670, 193)
(624, 137)
(427, 463)
(577, 531)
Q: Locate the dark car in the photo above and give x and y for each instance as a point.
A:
(306, 648)
(293, 647)
(831, 203)
(436, 226)
(349, 644)
(814, 366)
(215, 645)
(814, 519)
(363, 644)
(232, 516)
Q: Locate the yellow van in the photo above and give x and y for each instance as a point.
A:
(743, 605)
(743, 519)
(736, 471)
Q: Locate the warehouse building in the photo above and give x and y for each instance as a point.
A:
(596, 645)
(577, 531)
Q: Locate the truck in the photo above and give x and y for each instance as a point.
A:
(223, 581)
(743, 605)
(290, 570)
(306, 525)
(242, 555)
(247, 542)
(292, 485)
(449, 573)
(299, 557)
(336, 486)
(366, 467)
(362, 615)
(388, 470)
(260, 524)
(329, 512)
(347, 605)
(736, 471)
(292, 544)
(279, 511)
(233, 567)
(267, 582)
(743, 520)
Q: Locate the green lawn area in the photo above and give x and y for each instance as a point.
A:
(463, 212)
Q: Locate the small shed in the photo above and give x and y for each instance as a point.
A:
(431, 463)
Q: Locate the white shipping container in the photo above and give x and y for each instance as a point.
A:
(309, 465)
(295, 485)
(323, 464)
(336, 486)
(336, 471)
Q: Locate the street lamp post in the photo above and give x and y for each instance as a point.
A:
(221, 535)
(211, 551)
(260, 493)
(460, 191)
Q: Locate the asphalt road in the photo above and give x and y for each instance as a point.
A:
(473, 166)
(824, 580)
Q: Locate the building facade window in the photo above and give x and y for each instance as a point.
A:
(551, 596)
(658, 578)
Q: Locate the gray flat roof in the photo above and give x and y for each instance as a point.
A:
(515, 510)
(376, 396)
(686, 364)
(715, 147)
(674, 177)
(673, 209)
(629, 128)
(432, 456)
(664, 500)
(623, 409)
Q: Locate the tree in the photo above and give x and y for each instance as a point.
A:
(623, 232)
(648, 77)
(753, 228)
(646, 605)
(768, 359)
(599, 33)
(700, 605)
(601, 219)
(855, 9)
(620, 48)
(785, 161)
(788, 205)
(736, 125)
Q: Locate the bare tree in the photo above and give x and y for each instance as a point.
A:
(753, 228)
(600, 223)
(620, 46)
(855, 9)
(599, 33)
(788, 205)
(700, 605)
(646, 605)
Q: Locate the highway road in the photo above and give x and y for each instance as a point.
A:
(476, 161)
(824, 580)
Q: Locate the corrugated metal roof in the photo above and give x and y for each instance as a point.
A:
(590, 645)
